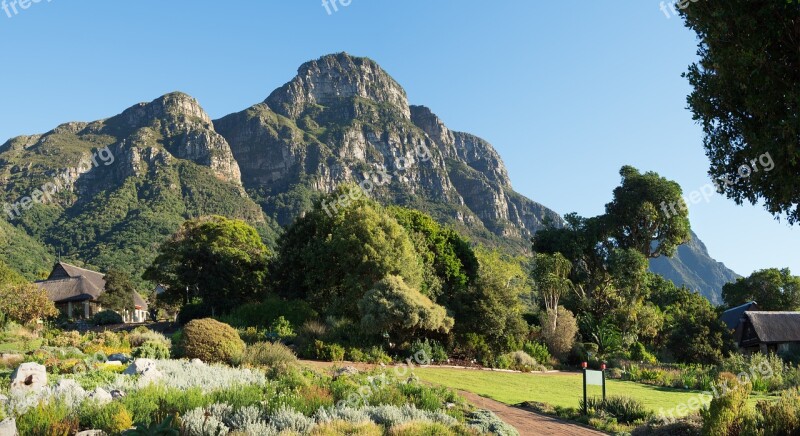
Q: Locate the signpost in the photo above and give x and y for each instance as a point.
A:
(592, 377)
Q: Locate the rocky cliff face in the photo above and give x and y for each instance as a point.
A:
(344, 119)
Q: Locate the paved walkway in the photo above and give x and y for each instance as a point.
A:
(528, 423)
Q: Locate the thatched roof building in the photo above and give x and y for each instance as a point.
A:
(768, 331)
(76, 292)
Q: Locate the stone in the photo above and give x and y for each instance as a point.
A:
(101, 396)
(91, 433)
(123, 358)
(8, 427)
(28, 377)
(196, 362)
(347, 370)
(146, 369)
(114, 363)
(116, 394)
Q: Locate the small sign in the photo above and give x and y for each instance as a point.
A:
(594, 377)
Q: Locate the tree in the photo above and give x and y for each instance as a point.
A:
(647, 214)
(560, 335)
(772, 289)
(8, 276)
(551, 277)
(695, 332)
(118, 295)
(333, 259)
(492, 306)
(26, 303)
(450, 264)
(393, 307)
(747, 98)
(218, 260)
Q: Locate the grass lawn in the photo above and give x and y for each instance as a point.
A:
(563, 390)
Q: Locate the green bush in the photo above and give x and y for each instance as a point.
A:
(107, 317)
(263, 314)
(142, 334)
(193, 311)
(271, 355)
(624, 409)
(151, 350)
(780, 417)
(329, 352)
(112, 418)
(727, 414)
(355, 355)
(211, 341)
(51, 418)
(376, 355)
(640, 354)
(538, 351)
(519, 361)
(280, 330)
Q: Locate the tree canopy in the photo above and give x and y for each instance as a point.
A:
(746, 95)
(218, 260)
(118, 295)
(772, 289)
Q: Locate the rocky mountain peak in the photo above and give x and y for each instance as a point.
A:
(172, 107)
(336, 77)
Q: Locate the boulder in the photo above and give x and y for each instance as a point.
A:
(116, 393)
(146, 369)
(8, 427)
(196, 362)
(101, 396)
(91, 433)
(119, 357)
(114, 363)
(347, 370)
(29, 377)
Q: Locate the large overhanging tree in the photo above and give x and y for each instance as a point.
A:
(747, 98)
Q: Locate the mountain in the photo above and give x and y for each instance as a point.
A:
(125, 184)
(693, 267)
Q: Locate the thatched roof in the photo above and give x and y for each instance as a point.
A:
(775, 327)
(732, 317)
(71, 283)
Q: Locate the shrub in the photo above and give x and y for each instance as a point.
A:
(107, 317)
(376, 355)
(475, 347)
(329, 352)
(192, 312)
(151, 350)
(416, 428)
(211, 341)
(727, 414)
(112, 418)
(520, 361)
(262, 315)
(140, 335)
(561, 337)
(780, 417)
(355, 355)
(341, 427)
(281, 329)
(252, 335)
(538, 351)
(485, 421)
(640, 354)
(48, 419)
(626, 410)
(690, 426)
(271, 355)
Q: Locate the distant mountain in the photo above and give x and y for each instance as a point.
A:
(694, 268)
(341, 119)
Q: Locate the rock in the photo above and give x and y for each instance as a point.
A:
(123, 358)
(69, 390)
(196, 362)
(101, 396)
(91, 433)
(8, 427)
(347, 370)
(114, 363)
(146, 369)
(28, 377)
(116, 393)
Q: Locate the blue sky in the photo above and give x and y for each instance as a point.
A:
(567, 91)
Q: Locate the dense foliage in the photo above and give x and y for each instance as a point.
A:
(211, 341)
(218, 260)
(747, 98)
(118, 295)
(772, 289)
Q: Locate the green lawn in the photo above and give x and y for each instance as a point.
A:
(555, 389)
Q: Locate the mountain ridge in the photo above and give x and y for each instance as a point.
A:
(340, 119)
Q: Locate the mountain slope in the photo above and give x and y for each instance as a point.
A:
(694, 268)
(341, 119)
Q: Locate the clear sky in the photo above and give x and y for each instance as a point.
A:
(567, 91)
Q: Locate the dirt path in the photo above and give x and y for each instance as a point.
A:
(528, 423)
